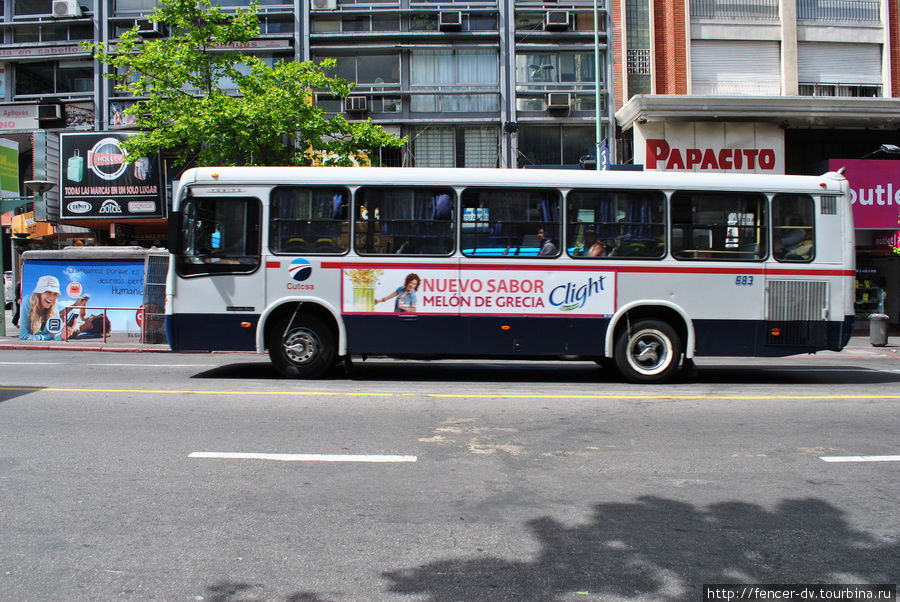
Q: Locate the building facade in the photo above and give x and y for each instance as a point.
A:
(771, 86)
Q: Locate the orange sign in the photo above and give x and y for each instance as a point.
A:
(25, 224)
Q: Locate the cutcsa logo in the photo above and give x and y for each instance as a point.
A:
(300, 270)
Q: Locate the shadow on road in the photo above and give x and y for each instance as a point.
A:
(380, 369)
(663, 549)
(8, 392)
(651, 549)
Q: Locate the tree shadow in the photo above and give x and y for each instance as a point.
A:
(666, 550)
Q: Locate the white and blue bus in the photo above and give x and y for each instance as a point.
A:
(641, 270)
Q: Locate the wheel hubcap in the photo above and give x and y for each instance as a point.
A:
(649, 352)
(301, 346)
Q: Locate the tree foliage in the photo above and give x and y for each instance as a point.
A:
(266, 116)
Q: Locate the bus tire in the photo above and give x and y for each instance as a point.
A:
(307, 350)
(648, 352)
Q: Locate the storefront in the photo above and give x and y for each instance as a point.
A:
(789, 135)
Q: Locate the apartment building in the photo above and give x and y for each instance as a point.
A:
(771, 86)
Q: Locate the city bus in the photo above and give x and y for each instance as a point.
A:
(637, 270)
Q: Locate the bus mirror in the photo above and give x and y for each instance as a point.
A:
(176, 245)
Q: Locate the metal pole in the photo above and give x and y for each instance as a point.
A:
(597, 129)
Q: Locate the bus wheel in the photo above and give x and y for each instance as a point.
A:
(304, 348)
(648, 353)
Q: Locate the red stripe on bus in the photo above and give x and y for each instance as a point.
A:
(599, 267)
(273, 264)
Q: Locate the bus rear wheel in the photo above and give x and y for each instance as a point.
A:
(302, 347)
(648, 352)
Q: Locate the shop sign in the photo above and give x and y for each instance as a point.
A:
(710, 147)
(887, 240)
(874, 191)
(98, 182)
(24, 226)
(18, 117)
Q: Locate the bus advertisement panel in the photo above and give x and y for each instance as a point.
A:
(486, 291)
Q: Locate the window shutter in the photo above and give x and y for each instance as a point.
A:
(742, 68)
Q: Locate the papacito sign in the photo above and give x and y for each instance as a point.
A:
(661, 155)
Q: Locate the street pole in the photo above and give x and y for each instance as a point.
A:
(597, 129)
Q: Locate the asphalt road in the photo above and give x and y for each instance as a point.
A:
(440, 481)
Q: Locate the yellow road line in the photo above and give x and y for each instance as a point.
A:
(452, 395)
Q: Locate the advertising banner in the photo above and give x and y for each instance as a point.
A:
(874, 191)
(98, 183)
(50, 286)
(9, 168)
(478, 292)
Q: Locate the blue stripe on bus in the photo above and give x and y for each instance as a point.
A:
(500, 336)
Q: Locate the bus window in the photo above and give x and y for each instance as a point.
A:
(511, 222)
(719, 226)
(793, 234)
(220, 236)
(308, 220)
(404, 221)
(615, 223)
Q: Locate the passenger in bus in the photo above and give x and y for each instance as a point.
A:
(796, 242)
(547, 246)
(405, 295)
(593, 246)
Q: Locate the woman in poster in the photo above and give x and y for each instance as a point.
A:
(406, 295)
(37, 311)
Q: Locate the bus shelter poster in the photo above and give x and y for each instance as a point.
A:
(478, 292)
(92, 285)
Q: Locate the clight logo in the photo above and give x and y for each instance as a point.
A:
(300, 269)
(572, 296)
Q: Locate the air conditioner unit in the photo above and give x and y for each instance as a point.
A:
(558, 100)
(556, 19)
(151, 29)
(450, 20)
(66, 8)
(49, 112)
(356, 104)
(323, 4)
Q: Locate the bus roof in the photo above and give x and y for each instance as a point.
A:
(358, 176)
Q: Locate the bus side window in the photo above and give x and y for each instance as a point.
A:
(309, 220)
(616, 223)
(404, 221)
(719, 226)
(793, 231)
(510, 222)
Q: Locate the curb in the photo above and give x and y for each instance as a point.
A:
(18, 347)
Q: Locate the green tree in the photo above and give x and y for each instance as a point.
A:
(267, 117)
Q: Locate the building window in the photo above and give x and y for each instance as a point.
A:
(555, 145)
(32, 7)
(455, 147)
(555, 67)
(455, 76)
(63, 77)
(868, 11)
(367, 69)
(746, 10)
